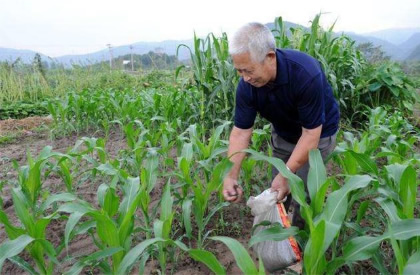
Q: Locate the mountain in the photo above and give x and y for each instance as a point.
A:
(288, 25)
(408, 40)
(27, 56)
(168, 46)
(390, 49)
(395, 36)
(410, 45)
(414, 55)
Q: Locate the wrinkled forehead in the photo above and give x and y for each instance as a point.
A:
(243, 61)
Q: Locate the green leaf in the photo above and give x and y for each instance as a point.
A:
(22, 211)
(362, 211)
(12, 231)
(374, 86)
(66, 175)
(49, 249)
(131, 189)
(12, 248)
(389, 207)
(408, 191)
(317, 174)
(166, 203)
(79, 206)
(405, 229)
(71, 223)
(398, 254)
(111, 202)
(336, 207)
(107, 169)
(79, 265)
(413, 264)
(318, 203)
(64, 197)
(243, 260)
(314, 251)
(295, 183)
(219, 173)
(361, 248)
(151, 165)
(208, 259)
(133, 254)
(365, 162)
(127, 223)
(395, 172)
(274, 233)
(18, 261)
(334, 265)
(186, 216)
(214, 210)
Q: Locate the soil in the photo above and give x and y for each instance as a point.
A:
(33, 142)
(25, 126)
(237, 217)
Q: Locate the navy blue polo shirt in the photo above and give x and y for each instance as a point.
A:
(299, 97)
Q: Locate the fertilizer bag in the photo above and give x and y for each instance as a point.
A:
(274, 254)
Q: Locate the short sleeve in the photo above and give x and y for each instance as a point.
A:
(245, 111)
(311, 103)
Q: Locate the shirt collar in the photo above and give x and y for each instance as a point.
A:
(282, 76)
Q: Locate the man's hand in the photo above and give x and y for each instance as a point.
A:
(281, 185)
(231, 190)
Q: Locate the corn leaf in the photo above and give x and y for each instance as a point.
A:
(12, 248)
(317, 174)
(274, 233)
(208, 259)
(243, 260)
(133, 254)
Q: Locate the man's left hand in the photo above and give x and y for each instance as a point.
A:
(280, 185)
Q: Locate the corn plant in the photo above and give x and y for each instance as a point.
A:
(214, 76)
(114, 231)
(202, 185)
(162, 227)
(357, 85)
(31, 210)
(324, 218)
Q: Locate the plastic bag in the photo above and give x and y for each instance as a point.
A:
(274, 254)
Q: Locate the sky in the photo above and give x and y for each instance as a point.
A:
(61, 27)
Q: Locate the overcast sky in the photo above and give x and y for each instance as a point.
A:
(59, 27)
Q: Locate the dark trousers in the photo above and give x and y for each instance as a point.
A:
(283, 149)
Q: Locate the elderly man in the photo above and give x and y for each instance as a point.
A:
(290, 90)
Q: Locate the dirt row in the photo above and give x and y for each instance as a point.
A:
(29, 139)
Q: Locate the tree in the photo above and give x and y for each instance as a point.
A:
(372, 54)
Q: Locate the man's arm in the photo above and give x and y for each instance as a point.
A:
(300, 155)
(238, 141)
(308, 141)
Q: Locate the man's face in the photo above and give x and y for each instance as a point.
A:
(255, 73)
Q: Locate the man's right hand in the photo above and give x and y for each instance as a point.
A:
(231, 190)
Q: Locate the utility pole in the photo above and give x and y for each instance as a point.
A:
(132, 61)
(110, 55)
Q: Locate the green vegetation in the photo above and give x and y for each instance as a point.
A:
(22, 110)
(149, 61)
(160, 196)
(36, 82)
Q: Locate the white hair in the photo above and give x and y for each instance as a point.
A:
(253, 38)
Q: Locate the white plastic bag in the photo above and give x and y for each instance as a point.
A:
(274, 254)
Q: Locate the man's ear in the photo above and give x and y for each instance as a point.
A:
(271, 56)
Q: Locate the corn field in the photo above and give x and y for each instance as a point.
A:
(155, 204)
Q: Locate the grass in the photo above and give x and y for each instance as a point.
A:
(22, 82)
